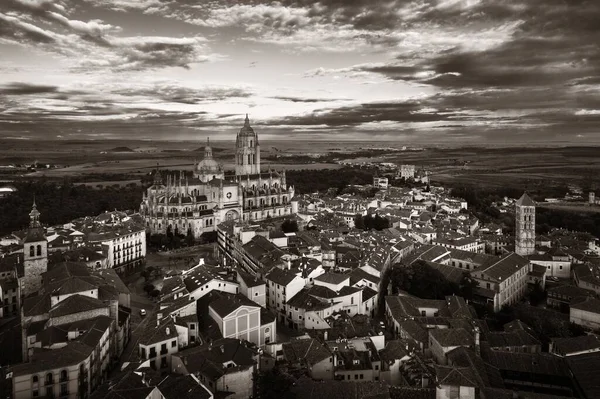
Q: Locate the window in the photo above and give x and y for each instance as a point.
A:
(31, 251)
(35, 393)
(35, 379)
(192, 326)
(49, 379)
(256, 294)
(356, 376)
(376, 367)
(64, 391)
(64, 375)
(173, 344)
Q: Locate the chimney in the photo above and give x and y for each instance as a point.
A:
(325, 336)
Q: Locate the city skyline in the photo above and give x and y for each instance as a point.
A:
(446, 71)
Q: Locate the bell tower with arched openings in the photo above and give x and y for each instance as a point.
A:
(247, 151)
(35, 254)
(525, 226)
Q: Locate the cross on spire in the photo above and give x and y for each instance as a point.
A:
(34, 215)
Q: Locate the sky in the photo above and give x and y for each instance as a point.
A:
(439, 71)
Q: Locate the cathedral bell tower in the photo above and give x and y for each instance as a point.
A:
(247, 151)
(35, 255)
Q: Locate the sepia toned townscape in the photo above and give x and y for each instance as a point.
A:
(299, 200)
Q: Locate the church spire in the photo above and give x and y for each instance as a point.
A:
(207, 150)
(157, 176)
(34, 216)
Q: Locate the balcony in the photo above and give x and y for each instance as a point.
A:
(164, 351)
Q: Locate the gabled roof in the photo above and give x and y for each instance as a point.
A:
(183, 387)
(210, 359)
(332, 278)
(226, 305)
(591, 305)
(37, 305)
(525, 200)
(569, 345)
(456, 376)
(281, 277)
(76, 304)
(250, 280)
(156, 334)
(309, 351)
(451, 336)
(505, 267)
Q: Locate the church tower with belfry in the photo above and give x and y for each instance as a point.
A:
(247, 151)
(35, 255)
(525, 226)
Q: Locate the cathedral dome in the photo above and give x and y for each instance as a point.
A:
(208, 165)
(247, 130)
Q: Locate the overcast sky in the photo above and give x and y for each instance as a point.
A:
(425, 70)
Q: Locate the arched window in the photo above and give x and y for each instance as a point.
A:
(49, 379)
(39, 250)
(35, 379)
(64, 375)
(31, 251)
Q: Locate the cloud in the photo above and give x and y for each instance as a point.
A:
(20, 88)
(94, 44)
(305, 99)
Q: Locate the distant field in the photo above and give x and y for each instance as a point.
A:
(521, 167)
(109, 183)
(572, 208)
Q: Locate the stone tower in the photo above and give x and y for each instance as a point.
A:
(525, 226)
(247, 151)
(35, 255)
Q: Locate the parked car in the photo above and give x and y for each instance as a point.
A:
(142, 312)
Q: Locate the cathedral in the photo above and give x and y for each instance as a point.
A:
(199, 203)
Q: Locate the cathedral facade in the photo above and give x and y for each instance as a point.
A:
(179, 203)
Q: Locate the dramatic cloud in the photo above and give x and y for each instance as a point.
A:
(26, 89)
(419, 68)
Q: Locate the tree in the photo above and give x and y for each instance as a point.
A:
(169, 232)
(148, 288)
(537, 294)
(273, 384)
(155, 293)
(423, 281)
(359, 222)
(467, 286)
(289, 226)
(189, 238)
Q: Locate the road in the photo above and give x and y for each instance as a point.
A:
(138, 323)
